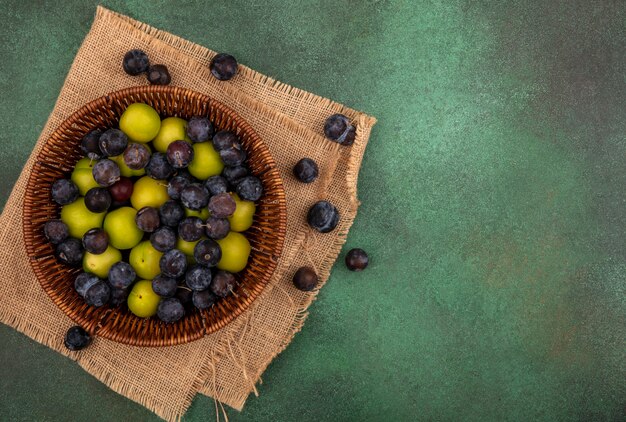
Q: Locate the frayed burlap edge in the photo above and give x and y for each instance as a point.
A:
(200, 56)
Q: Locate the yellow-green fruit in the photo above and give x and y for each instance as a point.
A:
(206, 161)
(140, 122)
(142, 301)
(145, 260)
(85, 163)
(172, 129)
(83, 178)
(203, 214)
(148, 192)
(79, 219)
(241, 220)
(124, 169)
(235, 252)
(121, 227)
(101, 263)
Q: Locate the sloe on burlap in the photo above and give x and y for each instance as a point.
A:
(227, 364)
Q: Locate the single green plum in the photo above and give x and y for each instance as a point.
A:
(241, 220)
(121, 227)
(140, 122)
(172, 129)
(145, 260)
(149, 192)
(206, 161)
(79, 219)
(101, 263)
(142, 301)
(83, 178)
(235, 252)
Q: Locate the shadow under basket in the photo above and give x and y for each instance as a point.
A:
(57, 159)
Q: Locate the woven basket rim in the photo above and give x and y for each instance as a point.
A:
(95, 325)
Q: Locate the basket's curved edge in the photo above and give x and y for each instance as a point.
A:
(29, 231)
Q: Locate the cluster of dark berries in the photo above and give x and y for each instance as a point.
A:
(136, 62)
(324, 216)
(223, 67)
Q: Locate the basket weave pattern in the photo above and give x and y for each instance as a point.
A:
(57, 159)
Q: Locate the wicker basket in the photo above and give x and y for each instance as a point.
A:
(57, 159)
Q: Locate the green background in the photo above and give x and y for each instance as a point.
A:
(493, 191)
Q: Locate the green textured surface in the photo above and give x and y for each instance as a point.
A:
(493, 190)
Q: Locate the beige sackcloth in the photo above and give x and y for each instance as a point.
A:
(225, 365)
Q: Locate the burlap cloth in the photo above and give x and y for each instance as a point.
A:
(227, 364)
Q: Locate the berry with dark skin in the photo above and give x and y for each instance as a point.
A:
(171, 213)
(339, 129)
(223, 283)
(357, 259)
(234, 156)
(95, 241)
(191, 229)
(203, 299)
(163, 239)
(207, 252)
(223, 66)
(224, 139)
(136, 156)
(64, 191)
(118, 296)
(113, 142)
(198, 278)
(121, 275)
(216, 184)
(84, 282)
(90, 145)
(55, 231)
(135, 62)
(179, 154)
(222, 205)
(184, 173)
(170, 310)
(183, 293)
(217, 228)
(98, 200)
(158, 167)
(194, 196)
(176, 186)
(106, 172)
(200, 129)
(148, 219)
(77, 339)
(305, 279)
(323, 216)
(164, 286)
(121, 190)
(70, 252)
(250, 188)
(233, 175)
(306, 170)
(159, 75)
(173, 263)
(98, 294)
